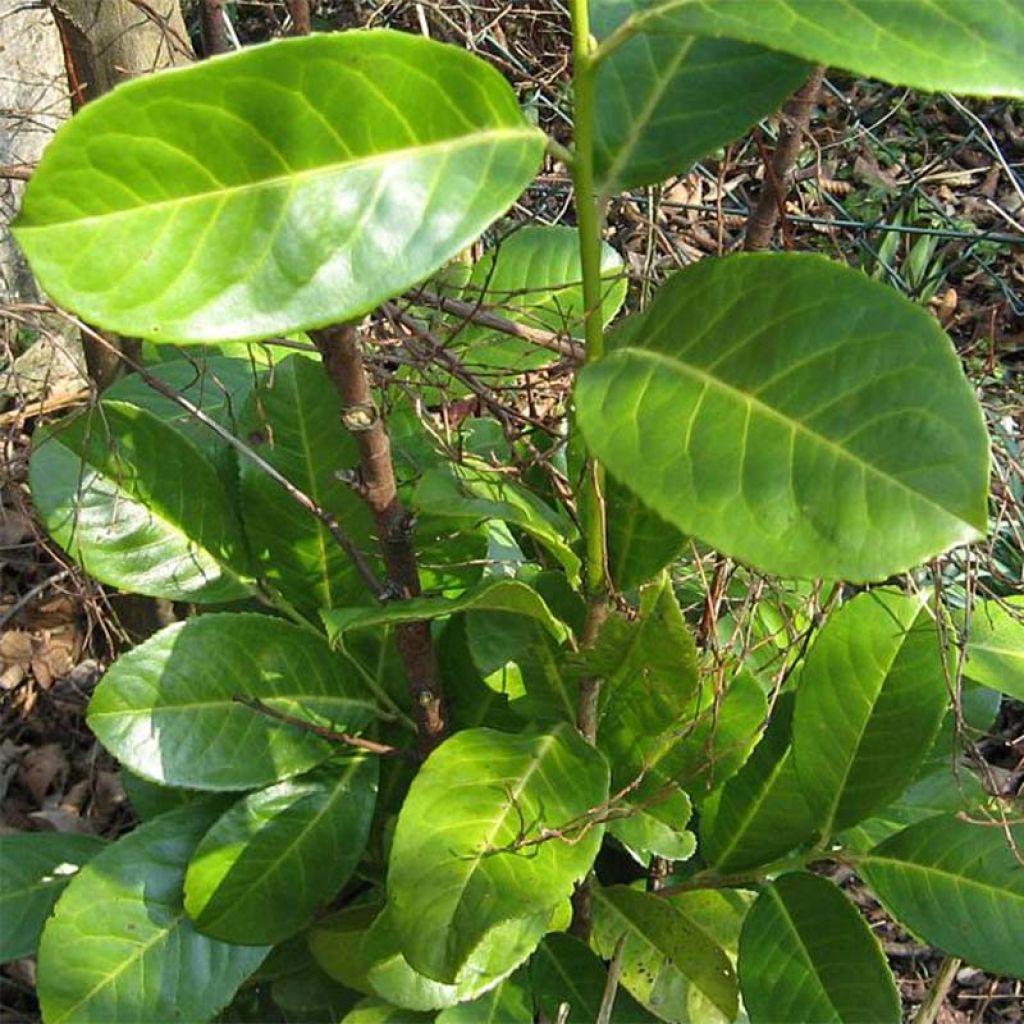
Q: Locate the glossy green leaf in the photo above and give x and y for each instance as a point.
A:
(509, 1003)
(119, 946)
(664, 953)
(376, 1011)
(289, 186)
(138, 506)
(166, 708)
(640, 542)
(959, 45)
(565, 970)
(292, 421)
(534, 276)
(869, 703)
(266, 866)
(995, 646)
(35, 867)
(657, 813)
(761, 813)
(508, 596)
(666, 100)
(786, 431)
(450, 887)
(959, 886)
(807, 955)
(150, 799)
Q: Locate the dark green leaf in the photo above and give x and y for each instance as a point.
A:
(336, 943)
(664, 953)
(959, 886)
(34, 869)
(666, 100)
(959, 45)
(285, 187)
(870, 700)
(279, 854)
(807, 955)
(150, 799)
(787, 432)
(640, 542)
(167, 711)
(138, 506)
(119, 946)
(456, 876)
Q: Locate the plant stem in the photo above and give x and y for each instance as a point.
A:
(929, 1009)
(611, 985)
(375, 484)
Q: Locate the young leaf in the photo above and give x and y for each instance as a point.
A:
(959, 45)
(656, 825)
(995, 646)
(664, 953)
(787, 432)
(871, 697)
(167, 711)
(288, 186)
(564, 970)
(761, 813)
(292, 421)
(34, 869)
(959, 886)
(807, 955)
(456, 873)
(265, 867)
(119, 942)
(138, 506)
(666, 100)
(509, 1003)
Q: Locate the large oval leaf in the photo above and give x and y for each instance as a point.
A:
(273, 859)
(961, 45)
(664, 953)
(665, 100)
(119, 946)
(167, 711)
(287, 186)
(35, 867)
(810, 421)
(958, 885)
(455, 874)
(138, 506)
(870, 701)
(807, 955)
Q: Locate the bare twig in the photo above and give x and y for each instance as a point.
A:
(213, 27)
(375, 484)
(16, 172)
(937, 993)
(796, 116)
(299, 10)
(611, 985)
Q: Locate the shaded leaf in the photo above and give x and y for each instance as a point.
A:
(640, 542)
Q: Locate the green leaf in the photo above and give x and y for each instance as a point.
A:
(509, 1003)
(656, 823)
(959, 886)
(959, 45)
(995, 646)
(664, 953)
(640, 542)
(35, 867)
(807, 955)
(119, 946)
(266, 866)
(666, 100)
(870, 701)
(534, 276)
(138, 506)
(471, 702)
(293, 421)
(288, 186)
(564, 970)
(786, 431)
(336, 943)
(166, 708)
(454, 876)
(508, 596)
(150, 800)
(376, 1011)
(761, 813)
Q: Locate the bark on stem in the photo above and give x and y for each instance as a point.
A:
(301, 23)
(212, 27)
(375, 484)
(796, 117)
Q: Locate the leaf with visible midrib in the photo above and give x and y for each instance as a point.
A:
(287, 186)
(958, 885)
(968, 46)
(995, 646)
(786, 430)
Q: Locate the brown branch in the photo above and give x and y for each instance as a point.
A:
(771, 201)
(375, 483)
(301, 24)
(213, 27)
(16, 172)
(371, 746)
